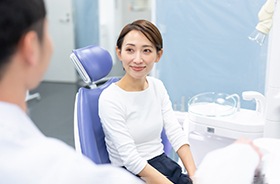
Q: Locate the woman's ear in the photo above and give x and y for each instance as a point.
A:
(159, 54)
(118, 52)
(29, 47)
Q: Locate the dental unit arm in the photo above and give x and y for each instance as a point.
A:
(272, 112)
(258, 97)
(269, 22)
(265, 22)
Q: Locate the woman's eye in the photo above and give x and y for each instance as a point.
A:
(147, 51)
(129, 50)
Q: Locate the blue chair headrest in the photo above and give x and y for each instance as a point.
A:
(92, 62)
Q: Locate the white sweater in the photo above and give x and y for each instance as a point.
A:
(133, 121)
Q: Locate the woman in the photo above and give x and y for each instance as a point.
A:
(135, 110)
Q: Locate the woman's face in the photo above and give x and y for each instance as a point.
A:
(137, 54)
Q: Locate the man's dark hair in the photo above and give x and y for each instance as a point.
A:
(16, 18)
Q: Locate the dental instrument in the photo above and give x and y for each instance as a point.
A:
(272, 111)
(265, 23)
(269, 23)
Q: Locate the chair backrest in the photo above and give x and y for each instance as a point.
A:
(93, 63)
(91, 135)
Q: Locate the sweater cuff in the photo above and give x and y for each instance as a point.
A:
(184, 140)
(137, 169)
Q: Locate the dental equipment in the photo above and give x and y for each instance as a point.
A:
(259, 99)
(272, 96)
(216, 120)
(265, 23)
(269, 22)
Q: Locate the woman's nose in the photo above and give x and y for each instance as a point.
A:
(138, 58)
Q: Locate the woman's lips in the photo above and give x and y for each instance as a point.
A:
(138, 68)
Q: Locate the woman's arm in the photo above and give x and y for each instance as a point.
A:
(175, 133)
(185, 155)
(152, 176)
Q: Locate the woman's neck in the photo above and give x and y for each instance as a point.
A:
(129, 84)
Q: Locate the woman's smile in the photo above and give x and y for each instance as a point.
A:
(137, 68)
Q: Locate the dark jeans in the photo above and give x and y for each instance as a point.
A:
(170, 169)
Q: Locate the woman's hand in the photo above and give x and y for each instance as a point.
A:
(249, 142)
(152, 176)
(185, 155)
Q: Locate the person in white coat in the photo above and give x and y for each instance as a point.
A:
(26, 155)
(244, 162)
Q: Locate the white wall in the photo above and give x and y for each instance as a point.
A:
(206, 48)
(62, 32)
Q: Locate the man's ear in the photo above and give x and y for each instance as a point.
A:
(159, 54)
(29, 47)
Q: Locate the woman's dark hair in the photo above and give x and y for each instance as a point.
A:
(17, 17)
(147, 28)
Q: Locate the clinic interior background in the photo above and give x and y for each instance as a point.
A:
(206, 45)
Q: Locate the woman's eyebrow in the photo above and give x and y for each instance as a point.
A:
(147, 46)
(129, 44)
(143, 46)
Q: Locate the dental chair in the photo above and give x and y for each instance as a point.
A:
(93, 63)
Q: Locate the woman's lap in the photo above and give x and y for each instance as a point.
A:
(170, 169)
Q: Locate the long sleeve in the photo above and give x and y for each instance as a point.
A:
(120, 144)
(174, 130)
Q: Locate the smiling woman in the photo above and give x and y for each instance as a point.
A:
(139, 46)
(138, 56)
(136, 109)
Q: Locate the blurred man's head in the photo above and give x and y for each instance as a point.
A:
(24, 41)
